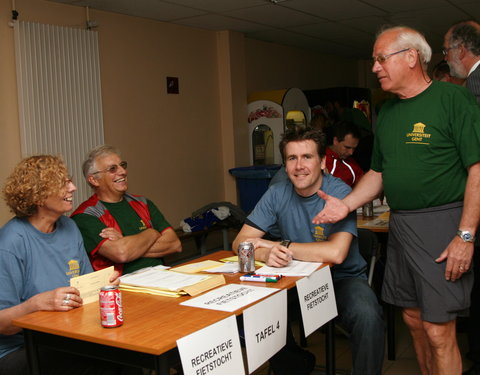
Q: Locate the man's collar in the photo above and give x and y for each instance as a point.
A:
(474, 67)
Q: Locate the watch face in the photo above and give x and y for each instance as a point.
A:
(466, 236)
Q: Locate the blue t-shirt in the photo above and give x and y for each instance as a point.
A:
(33, 262)
(282, 210)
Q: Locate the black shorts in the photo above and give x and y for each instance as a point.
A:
(412, 277)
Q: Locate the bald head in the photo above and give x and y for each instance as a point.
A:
(401, 56)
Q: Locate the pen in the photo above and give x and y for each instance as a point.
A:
(258, 278)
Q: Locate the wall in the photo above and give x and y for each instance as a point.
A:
(172, 142)
(179, 147)
(271, 67)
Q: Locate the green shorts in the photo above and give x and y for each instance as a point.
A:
(412, 277)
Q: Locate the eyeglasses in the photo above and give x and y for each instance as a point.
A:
(445, 50)
(382, 58)
(113, 168)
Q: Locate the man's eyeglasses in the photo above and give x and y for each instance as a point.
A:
(445, 50)
(113, 168)
(382, 58)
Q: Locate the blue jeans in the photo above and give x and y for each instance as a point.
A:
(360, 314)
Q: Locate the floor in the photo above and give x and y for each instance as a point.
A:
(405, 363)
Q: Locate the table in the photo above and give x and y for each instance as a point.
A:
(152, 326)
(376, 223)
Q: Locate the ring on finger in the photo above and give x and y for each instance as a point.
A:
(65, 302)
(67, 297)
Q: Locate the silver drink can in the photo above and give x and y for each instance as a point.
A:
(367, 209)
(246, 257)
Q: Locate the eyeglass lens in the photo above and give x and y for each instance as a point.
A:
(113, 168)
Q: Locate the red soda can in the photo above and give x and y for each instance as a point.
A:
(111, 312)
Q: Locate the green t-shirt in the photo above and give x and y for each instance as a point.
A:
(130, 224)
(424, 145)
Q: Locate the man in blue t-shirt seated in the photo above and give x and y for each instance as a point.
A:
(288, 208)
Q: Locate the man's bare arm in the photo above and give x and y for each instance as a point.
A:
(124, 249)
(458, 253)
(167, 243)
(334, 250)
(247, 232)
(367, 189)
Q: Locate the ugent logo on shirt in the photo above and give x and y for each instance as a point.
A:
(73, 268)
(319, 234)
(418, 135)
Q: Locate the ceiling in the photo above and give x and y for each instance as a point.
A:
(337, 27)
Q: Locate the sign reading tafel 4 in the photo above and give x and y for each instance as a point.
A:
(265, 325)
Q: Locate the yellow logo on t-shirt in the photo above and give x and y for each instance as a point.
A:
(143, 226)
(418, 135)
(73, 268)
(319, 234)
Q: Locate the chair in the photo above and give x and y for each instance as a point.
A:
(369, 248)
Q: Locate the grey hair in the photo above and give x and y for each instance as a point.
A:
(89, 165)
(468, 34)
(411, 38)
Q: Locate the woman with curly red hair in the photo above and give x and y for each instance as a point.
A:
(40, 251)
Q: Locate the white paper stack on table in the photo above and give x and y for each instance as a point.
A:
(157, 280)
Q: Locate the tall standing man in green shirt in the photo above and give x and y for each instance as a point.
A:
(118, 228)
(427, 159)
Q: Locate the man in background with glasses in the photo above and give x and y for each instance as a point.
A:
(462, 53)
(426, 158)
(118, 228)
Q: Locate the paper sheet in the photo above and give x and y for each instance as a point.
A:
(234, 259)
(197, 267)
(294, 268)
(225, 268)
(230, 297)
(90, 284)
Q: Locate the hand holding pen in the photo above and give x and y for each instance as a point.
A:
(279, 256)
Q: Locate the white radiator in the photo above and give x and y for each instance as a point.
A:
(59, 94)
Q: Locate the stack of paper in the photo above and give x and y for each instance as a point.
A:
(167, 283)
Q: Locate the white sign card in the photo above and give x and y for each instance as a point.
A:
(265, 327)
(214, 350)
(230, 297)
(317, 299)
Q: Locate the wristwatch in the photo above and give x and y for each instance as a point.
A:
(465, 235)
(285, 243)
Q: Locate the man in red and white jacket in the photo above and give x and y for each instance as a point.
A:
(339, 160)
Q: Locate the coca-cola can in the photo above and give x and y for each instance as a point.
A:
(111, 311)
(246, 257)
